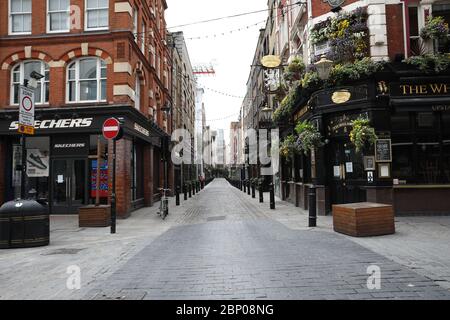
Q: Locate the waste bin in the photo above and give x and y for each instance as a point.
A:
(24, 224)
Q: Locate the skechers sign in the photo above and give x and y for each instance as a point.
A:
(57, 124)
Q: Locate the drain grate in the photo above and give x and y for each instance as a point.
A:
(216, 218)
(62, 251)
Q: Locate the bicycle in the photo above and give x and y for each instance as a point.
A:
(164, 204)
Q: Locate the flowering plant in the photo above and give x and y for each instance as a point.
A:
(289, 147)
(431, 62)
(435, 28)
(309, 137)
(354, 71)
(362, 134)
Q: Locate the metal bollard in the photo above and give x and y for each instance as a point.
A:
(261, 194)
(190, 190)
(272, 197)
(177, 195)
(185, 192)
(253, 189)
(248, 187)
(312, 207)
(244, 184)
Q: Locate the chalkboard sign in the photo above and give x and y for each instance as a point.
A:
(383, 150)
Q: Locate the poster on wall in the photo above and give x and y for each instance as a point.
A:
(37, 163)
(103, 190)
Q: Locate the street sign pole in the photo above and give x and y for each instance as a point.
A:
(113, 131)
(26, 126)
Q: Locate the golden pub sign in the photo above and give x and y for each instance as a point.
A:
(425, 89)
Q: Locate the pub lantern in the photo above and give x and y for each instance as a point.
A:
(324, 68)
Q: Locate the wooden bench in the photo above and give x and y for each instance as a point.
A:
(363, 219)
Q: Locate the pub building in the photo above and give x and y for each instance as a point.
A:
(62, 158)
(408, 167)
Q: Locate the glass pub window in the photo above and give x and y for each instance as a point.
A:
(414, 38)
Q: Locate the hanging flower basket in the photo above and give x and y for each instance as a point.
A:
(435, 28)
(309, 138)
(362, 134)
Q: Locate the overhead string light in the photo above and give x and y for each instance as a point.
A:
(245, 28)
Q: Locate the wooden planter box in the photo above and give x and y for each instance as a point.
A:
(92, 216)
(363, 219)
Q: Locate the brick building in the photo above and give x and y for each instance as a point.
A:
(99, 59)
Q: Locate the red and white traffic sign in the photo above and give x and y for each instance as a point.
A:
(26, 110)
(111, 128)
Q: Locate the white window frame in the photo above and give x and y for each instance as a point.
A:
(43, 82)
(10, 22)
(137, 94)
(143, 38)
(86, 28)
(58, 11)
(77, 80)
(135, 24)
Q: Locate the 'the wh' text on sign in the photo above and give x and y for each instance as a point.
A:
(26, 110)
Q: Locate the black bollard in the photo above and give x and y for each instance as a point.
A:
(253, 190)
(185, 192)
(190, 190)
(177, 196)
(272, 197)
(312, 207)
(244, 184)
(248, 187)
(261, 194)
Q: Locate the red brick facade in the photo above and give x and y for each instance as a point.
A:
(395, 34)
(319, 7)
(125, 60)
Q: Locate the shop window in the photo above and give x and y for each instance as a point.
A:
(58, 13)
(442, 10)
(37, 167)
(425, 120)
(445, 125)
(97, 12)
(86, 80)
(400, 122)
(20, 16)
(137, 170)
(402, 161)
(104, 173)
(20, 75)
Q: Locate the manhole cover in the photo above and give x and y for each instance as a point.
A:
(62, 251)
(216, 218)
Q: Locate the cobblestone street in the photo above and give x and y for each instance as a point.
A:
(227, 247)
(222, 244)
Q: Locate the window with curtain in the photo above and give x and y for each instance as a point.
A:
(86, 80)
(58, 15)
(97, 12)
(20, 16)
(21, 73)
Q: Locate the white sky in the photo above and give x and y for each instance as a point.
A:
(231, 54)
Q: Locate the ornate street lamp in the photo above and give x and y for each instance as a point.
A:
(324, 68)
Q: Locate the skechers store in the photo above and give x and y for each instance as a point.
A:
(62, 158)
(408, 167)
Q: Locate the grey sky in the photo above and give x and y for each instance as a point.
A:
(231, 54)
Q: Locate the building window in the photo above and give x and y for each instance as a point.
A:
(20, 74)
(58, 13)
(416, 47)
(97, 12)
(143, 37)
(137, 94)
(135, 24)
(86, 80)
(20, 16)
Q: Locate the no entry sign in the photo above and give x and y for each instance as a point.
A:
(111, 128)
